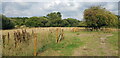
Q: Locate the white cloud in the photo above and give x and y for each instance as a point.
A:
(68, 9)
(60, 0)
(113, 7)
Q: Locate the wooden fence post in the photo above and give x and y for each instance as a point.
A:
(8, 37)
(62, 34)
(57, 35)
(73, 29)
(35, 44)
(32, 32)
(3, 37)
(15, 38)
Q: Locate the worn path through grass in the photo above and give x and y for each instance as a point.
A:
(98, 44)
(83, 43)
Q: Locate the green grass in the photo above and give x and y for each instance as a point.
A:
(66, 46)
(113, 40)
(47, 46)
(90, 39)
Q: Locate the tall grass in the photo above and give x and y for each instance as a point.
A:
(23, 42)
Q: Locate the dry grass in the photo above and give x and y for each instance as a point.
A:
(45, 36)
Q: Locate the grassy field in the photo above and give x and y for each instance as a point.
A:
(79, 43)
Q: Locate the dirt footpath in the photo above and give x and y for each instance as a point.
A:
(95, 46)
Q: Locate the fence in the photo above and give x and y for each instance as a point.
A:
(24, 37)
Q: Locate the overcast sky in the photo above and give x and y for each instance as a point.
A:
(68, 8)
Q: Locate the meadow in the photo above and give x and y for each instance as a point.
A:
(59, 41)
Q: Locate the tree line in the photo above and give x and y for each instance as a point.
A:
(94, 17)
(53, 19)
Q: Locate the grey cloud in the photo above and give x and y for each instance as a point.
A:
(68, 9)
(59, 0)
(0, 8)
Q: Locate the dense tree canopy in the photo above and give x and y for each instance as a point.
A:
(36, 22)
(118, 20)
(97, 17)
(6, 23)
(19, 20)
(82, 24)
(53, 19)
(72, 22)
(54, 16)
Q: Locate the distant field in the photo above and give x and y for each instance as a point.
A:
(76, 42)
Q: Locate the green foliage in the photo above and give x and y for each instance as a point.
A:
(118, 20)
(6, 23)
(97, 17)
(82, 24)
(19, 20)
(119, 24)
(53, 19)
(65, 23)
(36, 22)
(72, 22)
(54, 16)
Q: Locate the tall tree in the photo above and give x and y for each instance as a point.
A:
(97, 17)
(55, 19)
(54, 16)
